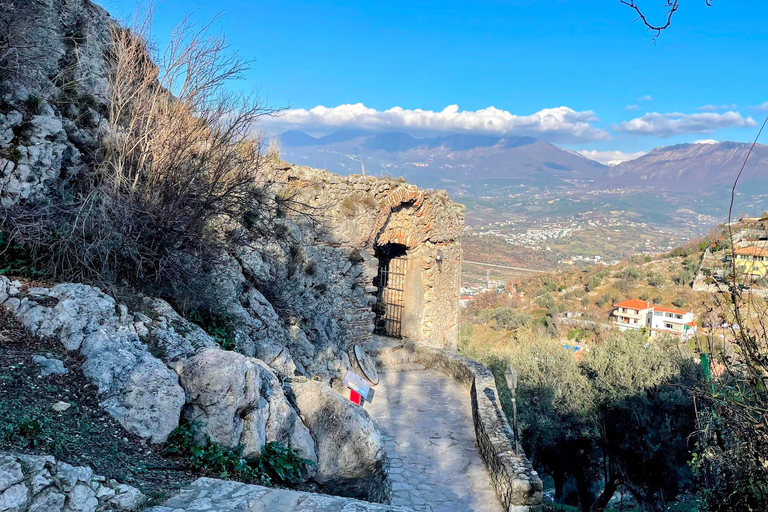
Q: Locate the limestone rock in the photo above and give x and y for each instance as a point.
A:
(209, 495)
(61, 406)
(351, 457)
(46, 485)
(135, 387)
(173, 336)
(238, 400)
(50, 366)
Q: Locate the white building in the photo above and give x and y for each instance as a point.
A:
(673, 321)
(632, 314)
(639, 314)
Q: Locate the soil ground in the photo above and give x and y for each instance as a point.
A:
(84, 434)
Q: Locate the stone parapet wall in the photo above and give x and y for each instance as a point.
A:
(516, 483)
(209, 494)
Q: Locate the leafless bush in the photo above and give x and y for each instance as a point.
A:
(180, 168)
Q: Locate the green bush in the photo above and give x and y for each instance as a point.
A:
(220, 328)
(277, 463)
(14, 259)
(511, 319)
(655, 279)
(631, 272)
(593, 282)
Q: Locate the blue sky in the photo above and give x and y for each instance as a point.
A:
(621, 91)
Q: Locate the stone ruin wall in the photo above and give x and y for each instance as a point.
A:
(360, 212)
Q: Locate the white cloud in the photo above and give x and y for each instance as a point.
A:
(647, 97)
(675, 123)
(632, 107)
(610, 157)
(764, 106)
(560, 124)
(706, 141)
(715, 108)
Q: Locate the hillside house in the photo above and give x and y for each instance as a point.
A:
(752, 261)
(632, 314)
(639, 314)
(672, 321)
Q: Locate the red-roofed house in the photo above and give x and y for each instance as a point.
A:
(632, 314)
(636, 314)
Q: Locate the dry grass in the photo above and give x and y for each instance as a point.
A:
(180, 166)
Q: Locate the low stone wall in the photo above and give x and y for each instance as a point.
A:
(209, 494)
(40, 483)
(517, 484)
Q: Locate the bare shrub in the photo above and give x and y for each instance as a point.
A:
(181, 167)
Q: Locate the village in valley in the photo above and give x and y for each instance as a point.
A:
(661, 292)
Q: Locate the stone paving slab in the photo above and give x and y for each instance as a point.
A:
(212, 495)
(426, 418)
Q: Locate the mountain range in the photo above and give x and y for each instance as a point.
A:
(477, 164)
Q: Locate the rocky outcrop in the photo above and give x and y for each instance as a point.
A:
(53, 91)
(42, 484)
(237, 400)
(211, 495)
(351, 459)
(135, 387)
(167, 333)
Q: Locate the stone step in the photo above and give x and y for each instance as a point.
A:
(393, 359)
(404, 367)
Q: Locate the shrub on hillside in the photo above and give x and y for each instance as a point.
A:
(683, 277)
(593, 283)
(655, 279)
(630, 272)
(180, 166)
(511, 319)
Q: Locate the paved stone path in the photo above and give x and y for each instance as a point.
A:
(426, 419)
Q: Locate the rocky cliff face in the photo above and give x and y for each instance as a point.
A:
(53, 94)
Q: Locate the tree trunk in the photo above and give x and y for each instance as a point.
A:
(609, 490)
(559, 478)
(586, 498)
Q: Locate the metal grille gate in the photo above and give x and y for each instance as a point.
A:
(391, 303)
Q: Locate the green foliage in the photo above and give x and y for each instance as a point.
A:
(277, 463)
(684, 277)
(14, 259)
(546, 300)
(679, 302)
(35, 104)
(630, 272)
(605, 299)
(511, 319)
(593, 283)
(657, 299)
(24, 430)
(622, 412)
(644, 296)
(217, 326)
(655, 279)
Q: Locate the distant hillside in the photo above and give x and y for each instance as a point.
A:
(697, 167)
(473, 161)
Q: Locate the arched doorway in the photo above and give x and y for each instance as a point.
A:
(390, 281)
